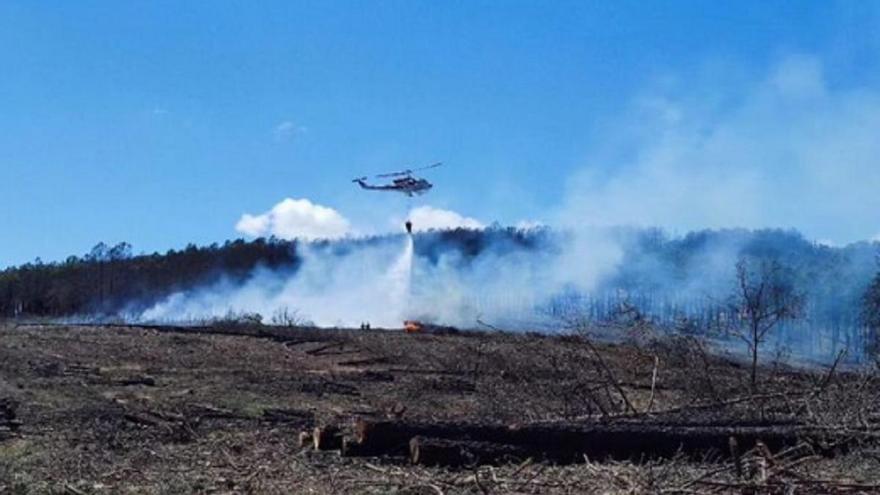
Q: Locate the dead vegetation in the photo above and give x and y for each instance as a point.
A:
(242, 409)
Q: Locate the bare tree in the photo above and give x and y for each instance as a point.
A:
(764, 297)
(286, 317)
(870, 315)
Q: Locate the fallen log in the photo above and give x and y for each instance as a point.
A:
(210, 411)
(365, 361)
(140, 419)
(321, 349)
(277, 415)
(148, 381)
(456, 453)
(282, 334)
(570, 442)
(392, 437)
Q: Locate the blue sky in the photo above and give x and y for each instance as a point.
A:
(162, 123)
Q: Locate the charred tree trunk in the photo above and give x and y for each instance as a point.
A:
(455, 453)
(393, 437)
(327, 438)
(569, 442)
(754, 371)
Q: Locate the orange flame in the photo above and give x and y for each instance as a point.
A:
(412, 326)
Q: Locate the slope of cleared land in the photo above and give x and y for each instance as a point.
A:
(220, 410)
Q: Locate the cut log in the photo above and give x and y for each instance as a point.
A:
(570, 442)
(8, 409)
(352, 448)
(327, 438)
(305, 439)
(456, 453)
(392, 437)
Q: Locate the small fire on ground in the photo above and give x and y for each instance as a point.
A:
(413, 326)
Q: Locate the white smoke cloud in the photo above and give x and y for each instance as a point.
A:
(296, 218)
(786, 151)
(427, 217)
(369, 284)
(385, 282)
(371, 281)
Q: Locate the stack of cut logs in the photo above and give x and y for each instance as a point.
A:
(8, 423)
(459, 444)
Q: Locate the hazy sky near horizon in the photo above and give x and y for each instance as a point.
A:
(162, 123)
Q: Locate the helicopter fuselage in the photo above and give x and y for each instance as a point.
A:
(406, 185)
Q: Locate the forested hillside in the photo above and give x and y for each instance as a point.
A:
(666, 279)
(108, 278)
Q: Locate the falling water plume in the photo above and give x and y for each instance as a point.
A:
(400, 277)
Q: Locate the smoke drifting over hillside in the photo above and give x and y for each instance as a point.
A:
(787, 150)
(435, 276)
(330, 288)
(534, 280)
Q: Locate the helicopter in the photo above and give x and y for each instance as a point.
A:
(403, 182)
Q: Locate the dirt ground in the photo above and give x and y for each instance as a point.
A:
(168, 410)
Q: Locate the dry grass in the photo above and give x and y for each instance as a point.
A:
(126, 410)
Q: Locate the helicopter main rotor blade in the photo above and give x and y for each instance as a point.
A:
(408, 171)
(396, 174)
(433, 165)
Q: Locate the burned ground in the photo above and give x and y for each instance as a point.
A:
(220, 410)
